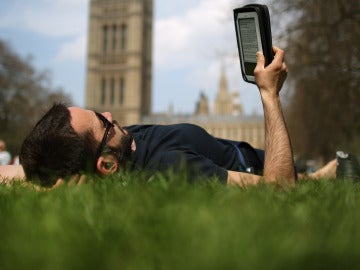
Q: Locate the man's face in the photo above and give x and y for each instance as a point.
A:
(118, 139)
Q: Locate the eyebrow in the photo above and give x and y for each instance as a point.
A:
(103, 119)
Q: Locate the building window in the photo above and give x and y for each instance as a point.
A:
(105, 38)
(235, 133)
(123, 36)
(122, 91)
(251, 134)
(260, 134)
(114, 37)
(112, 91)
(103, 91)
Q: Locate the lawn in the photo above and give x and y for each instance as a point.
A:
(167, 223)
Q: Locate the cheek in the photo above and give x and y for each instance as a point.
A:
(114, 138)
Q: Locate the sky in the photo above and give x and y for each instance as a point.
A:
(192, 41)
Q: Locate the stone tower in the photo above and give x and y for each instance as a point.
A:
(226, 103)
(119, 58)
(202, 106)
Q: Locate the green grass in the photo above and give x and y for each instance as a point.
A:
(128, 223)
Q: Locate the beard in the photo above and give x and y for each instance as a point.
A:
(123, 151)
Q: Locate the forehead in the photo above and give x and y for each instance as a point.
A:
(81, 120)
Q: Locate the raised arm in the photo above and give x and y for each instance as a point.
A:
(279, 165)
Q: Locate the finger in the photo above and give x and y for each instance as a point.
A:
(260, 60)
(73, 180)
(58, 183)
(82, 179)
(284, 67)
(278, 55)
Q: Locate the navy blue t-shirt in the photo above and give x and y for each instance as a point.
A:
(160, 147)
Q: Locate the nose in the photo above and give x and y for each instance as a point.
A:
(108, 116)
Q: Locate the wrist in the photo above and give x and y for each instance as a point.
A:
(269, 96)
(271, 103)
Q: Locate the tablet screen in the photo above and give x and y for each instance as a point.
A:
(249, 43)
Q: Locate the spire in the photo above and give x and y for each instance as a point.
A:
(223, 97)
(223, 84)
(202, 106)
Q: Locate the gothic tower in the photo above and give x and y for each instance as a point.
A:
(202, 106)
(226, 103)
(119, 58)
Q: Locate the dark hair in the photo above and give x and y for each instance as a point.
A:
(54, 150)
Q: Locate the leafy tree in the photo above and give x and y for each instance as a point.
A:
(323, 55)
(25, 94)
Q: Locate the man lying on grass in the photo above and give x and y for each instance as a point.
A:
(71, 141)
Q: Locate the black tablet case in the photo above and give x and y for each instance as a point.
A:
(265, 32)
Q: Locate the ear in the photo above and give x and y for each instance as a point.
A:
(107, 164)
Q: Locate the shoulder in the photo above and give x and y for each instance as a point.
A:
(188, 129)
(137, 128)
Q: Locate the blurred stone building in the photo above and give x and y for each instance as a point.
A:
(119, 58)
(119, 76)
